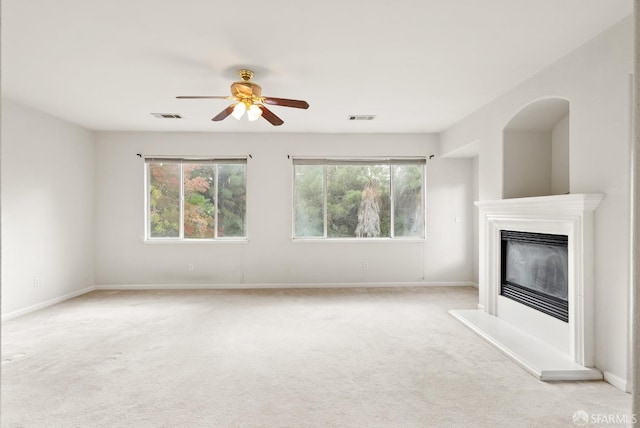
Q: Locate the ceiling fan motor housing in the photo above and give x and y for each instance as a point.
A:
(246, 90)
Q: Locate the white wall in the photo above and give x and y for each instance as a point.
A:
(47, 208)
(476, 218)
(560, 161)
(527, 164)
(449, 247)
(270, 256)
(595, 80)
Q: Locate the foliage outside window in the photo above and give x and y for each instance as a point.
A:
(196, 198)
(359, 198)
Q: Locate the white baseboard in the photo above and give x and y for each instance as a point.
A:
(617, 381)
(46, 303)
(270, 285)
(227, 286)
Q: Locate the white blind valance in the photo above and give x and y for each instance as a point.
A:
(367, 161)
(219, 160)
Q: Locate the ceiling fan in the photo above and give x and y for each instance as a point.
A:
(248, 98)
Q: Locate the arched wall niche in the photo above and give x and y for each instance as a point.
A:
(536, 150)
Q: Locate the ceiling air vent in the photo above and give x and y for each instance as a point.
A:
(166, 115)
(362, 117)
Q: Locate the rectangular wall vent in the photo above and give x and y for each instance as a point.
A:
(362, 117)
(166, 115)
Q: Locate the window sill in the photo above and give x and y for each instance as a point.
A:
(194, 241)
(356, 240)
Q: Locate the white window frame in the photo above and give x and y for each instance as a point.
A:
(359, 161)
(216, 161)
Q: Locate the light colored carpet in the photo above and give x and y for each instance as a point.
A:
(376, 357)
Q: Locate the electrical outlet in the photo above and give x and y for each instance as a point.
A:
(37, 281)
(190, 266)
(365, 265)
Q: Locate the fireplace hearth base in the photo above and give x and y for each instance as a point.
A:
(540, 359)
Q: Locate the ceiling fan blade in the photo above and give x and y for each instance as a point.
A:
(224, 113)
(271, 118)
(198, 97)
(286, 102)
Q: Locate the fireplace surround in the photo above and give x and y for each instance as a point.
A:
(529, 336)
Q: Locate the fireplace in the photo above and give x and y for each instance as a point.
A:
(557, 346)
(534, 271)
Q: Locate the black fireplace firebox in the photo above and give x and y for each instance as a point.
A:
(535, 270)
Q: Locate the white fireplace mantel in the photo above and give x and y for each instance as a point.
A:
(570, 204)
(570, 215)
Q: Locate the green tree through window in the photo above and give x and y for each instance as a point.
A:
(196, 199)
(359, 198)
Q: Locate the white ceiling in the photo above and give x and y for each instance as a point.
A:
(418, 65)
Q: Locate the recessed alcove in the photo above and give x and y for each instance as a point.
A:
(536, 150)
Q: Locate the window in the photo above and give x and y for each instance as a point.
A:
(195, 199)
(359, 198)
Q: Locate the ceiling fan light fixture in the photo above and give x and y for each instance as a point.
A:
(239, 110)
(254, 113)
